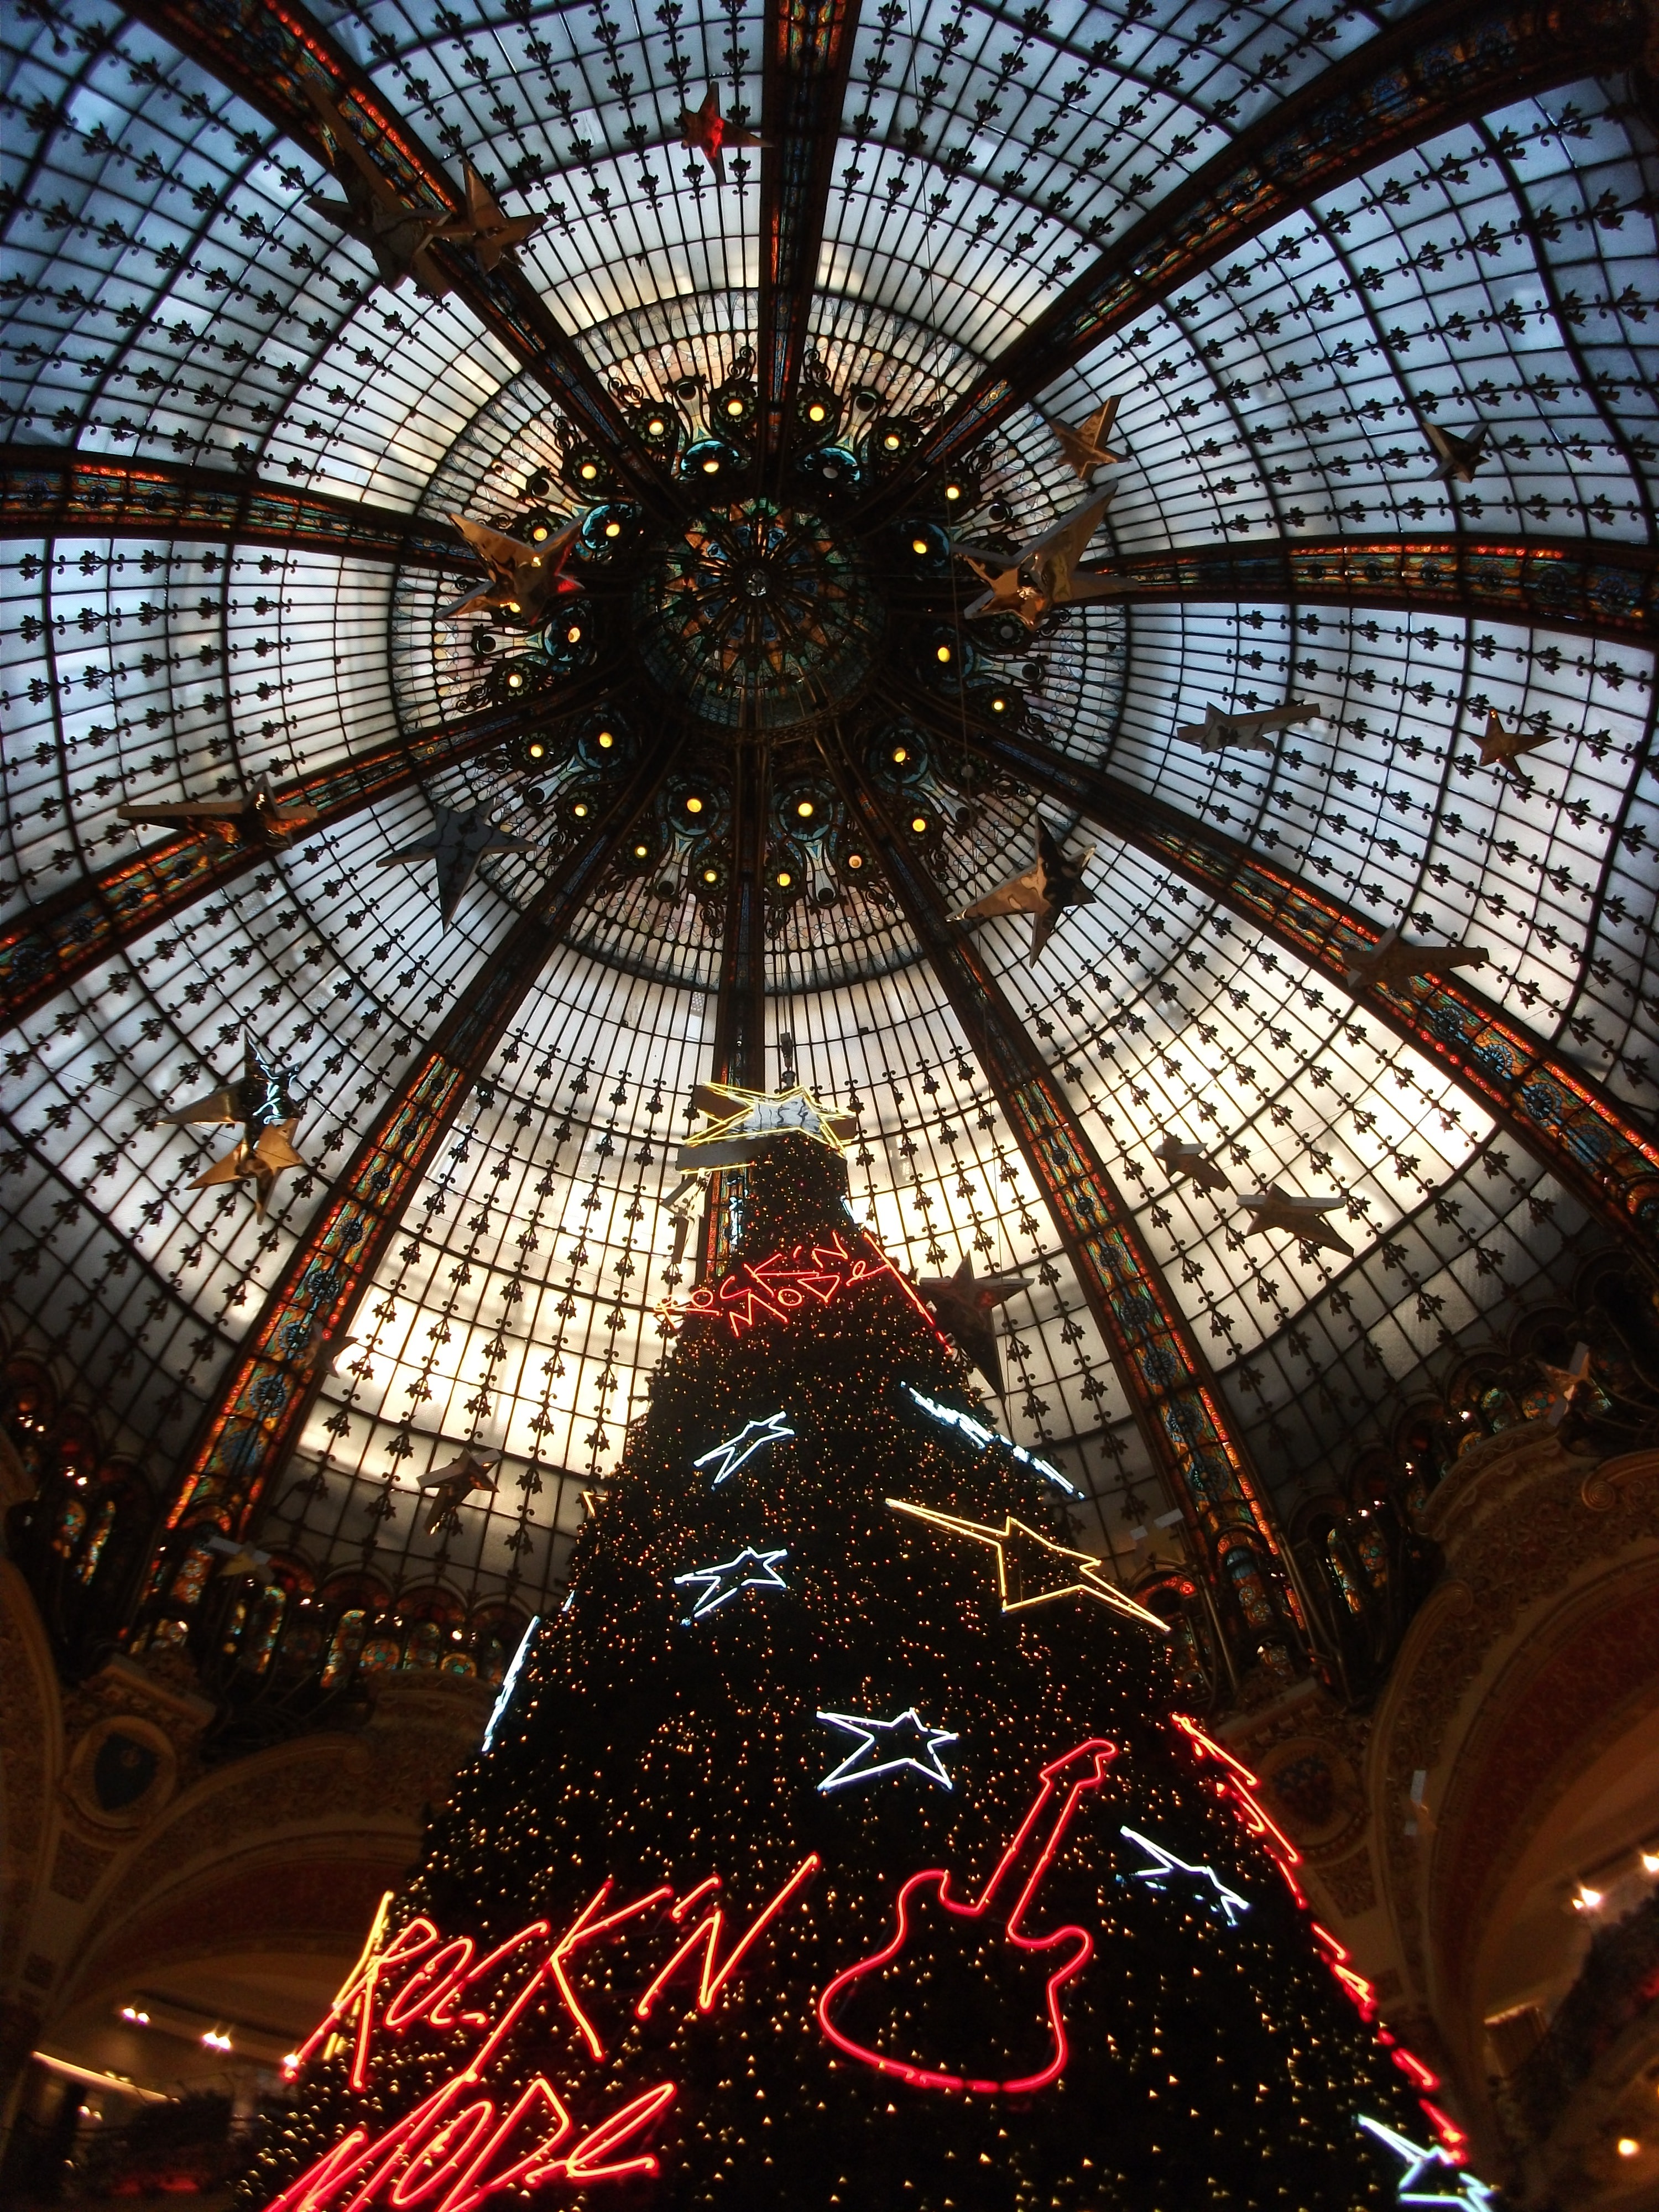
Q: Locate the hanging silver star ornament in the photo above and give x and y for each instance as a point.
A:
(1181, 1158)
(1456, 458)
(523, 578)
(1044, 890)
(457, 844)
(1244, 733)
(1394, 959)
(491, 233)
(1305, 1217)
(1043, 573)
(1083, 445)
(965, 1304)
(449, 1485)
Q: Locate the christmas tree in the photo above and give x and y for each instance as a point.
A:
(836, 1843)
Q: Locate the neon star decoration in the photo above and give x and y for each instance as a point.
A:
(1165, 1872)
(509, 1683)
(887, 1747)
(951, 1417)
(747, 1121)
(719, 1585)
(1032, 1569)
(1429, 2173)
(753, 1436)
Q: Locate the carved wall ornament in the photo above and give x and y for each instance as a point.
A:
(122, 1772)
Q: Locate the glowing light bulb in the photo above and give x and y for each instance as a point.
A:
(711, 468)
(805, 810)
(538, 533)
(1628, 2146)
(953, 491)
(579, 810)
(919, 824)
(613, 530)
(1650, 1862)
(784, 880)
(515, 681)
(694, 805)
(641, 851)
(734, 407)
(655, 426)
(605, 740)
(855, 860)
(918, 545)
(901, 754)
(817, 411)
(1587, 1899)
(536, 750)
(942, 654)
(588, 472)
(999, 706)
(711, 875)
(891, 442)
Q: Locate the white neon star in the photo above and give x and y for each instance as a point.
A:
(510, 1681)
(1226, 1902)
(863, 1763)
(749, 1570)
(1420, 2163)
(753, 1436)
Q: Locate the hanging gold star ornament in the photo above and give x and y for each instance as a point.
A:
(264, 1103)
(1395, 960)
(1032, 1569)
(1303, 1217)
(491, 233)
(746, 1122)
(1566, 1383)
(1044, 573)
(449, 1485)
(1044, 890)
(1082, 445)
(1180, 1157)
(523, 578)
(398, 235)
(705, 131)
(1501, 748)
(257, 817)
(1456, 459)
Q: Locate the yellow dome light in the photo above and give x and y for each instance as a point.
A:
(613, 530)
(953, 491)
(943, 654)
(513, 607)
(589, 471)
(693, 807)
(538, 534)
(711, 468)
(734, 407)
(573, 635)
(655, 426)
(641, 851)
(999, 706)
(538, 750)
(515, 681)
(855, 860)
(817, 411)
(891, 441)
(806, 810)
(605, 740)
(919, 824)
(711, 875)
(579, 810)
(784, 880)
(918, 545)
(901, 754)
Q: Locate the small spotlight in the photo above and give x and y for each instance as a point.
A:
(1587, 1899)
(711, 468)
(943, 654)
(579, 810)
(711, 875)
(805, 811)
(589, 471)
(1650, 1862)
(538, 751)
(538, 534)
(613, 530)
(573, 635)
(604, 740)
(641, 851)
(891, 442)
(694, 805)
(734, 407)
(855, 860)
(817, 411)
(214, 2039)
(901, 754)
(918, 545)
(655, 426)
(1628, 2146)
(919, 824)
(999, 706)
(784, 880)
(953, 491)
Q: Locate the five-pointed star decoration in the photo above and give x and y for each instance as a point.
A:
(1202, 1884)
(1455, 457)
(1274, 1208)
(965, 1304)
(1394, 959)
(705, 131)
(1083, 445)
(750, 1570)
(449, 1485)
(746, 1122)
(397, 235)
(885, 1747)
(1245, 732)
(492, 233)
(458, 843)
(237, 1557)
(258, 816)
(1033, 1569)
(1043, 573)
(263, 1101)
(1427, 2171)
(523, 578)
(754, 1436)
(1501, 748)
(1180, 1157)
(1047, 887)
(1567, 1383)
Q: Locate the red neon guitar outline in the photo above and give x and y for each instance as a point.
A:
(1080, 1771)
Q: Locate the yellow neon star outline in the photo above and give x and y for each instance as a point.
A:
(834, 1129)
(1089, 1582)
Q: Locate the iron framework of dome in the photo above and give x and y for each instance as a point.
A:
(1375, 292)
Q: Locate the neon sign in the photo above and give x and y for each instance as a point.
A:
(1163, 1869)
(456, 2147)
(1031, 1568)
(778, 1288)
(509, 1683)
(976, 1432)
(1236, 1785)
(928, 1916)
(750, 1570)
(1418, 2184)
(864, 1762)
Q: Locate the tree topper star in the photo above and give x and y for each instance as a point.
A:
(750, 1570)
(1024, 1559)
(754, 1436)
(1424, 2169)
(1224, 1903)
(884, 1747)
(746, 1122)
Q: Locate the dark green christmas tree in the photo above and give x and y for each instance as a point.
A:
(825, 1853)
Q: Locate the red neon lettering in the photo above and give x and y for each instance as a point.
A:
(1236, 1786)
(448, 1963)
(409, 1944)
(712, 1979)
(443, 2013)
(776, 1287)
(586, 2162)
(1453, 2140)
(477, 2182)
(360, 1982)
(1421, 2076)
(442, 2154)
(1082, 1769)
(692, 1896)
(583, 1930)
